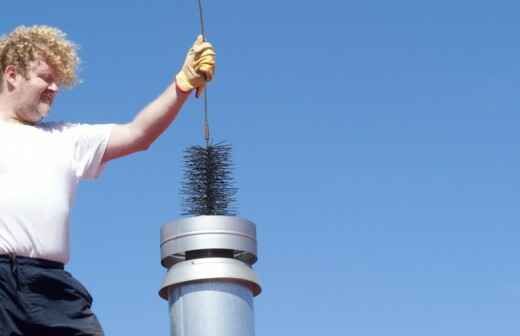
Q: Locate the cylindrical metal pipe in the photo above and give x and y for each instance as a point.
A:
(210, 283)
(211, 308)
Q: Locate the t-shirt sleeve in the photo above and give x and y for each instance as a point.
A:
(90, 142)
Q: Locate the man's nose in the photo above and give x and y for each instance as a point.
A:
(53, 87)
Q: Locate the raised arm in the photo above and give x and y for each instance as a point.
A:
(155, 118)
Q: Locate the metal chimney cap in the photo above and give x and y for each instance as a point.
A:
(208, 232)
(210, 269)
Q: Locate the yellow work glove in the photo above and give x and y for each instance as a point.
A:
(198, 68)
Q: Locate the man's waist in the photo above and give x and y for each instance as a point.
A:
(21, 260)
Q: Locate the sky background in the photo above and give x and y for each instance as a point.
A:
(375, 143)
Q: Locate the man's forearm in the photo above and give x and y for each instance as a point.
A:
(153, 120)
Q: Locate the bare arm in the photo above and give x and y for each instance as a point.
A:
(151, 122)
(155, 118)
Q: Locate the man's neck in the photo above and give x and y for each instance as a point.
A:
(13, 120)
(6, 117)
(7, 111)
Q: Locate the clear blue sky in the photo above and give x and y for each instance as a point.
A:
(376, 148)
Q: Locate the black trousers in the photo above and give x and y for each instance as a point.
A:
(38, 297)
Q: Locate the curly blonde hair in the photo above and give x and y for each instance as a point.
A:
(25, 44)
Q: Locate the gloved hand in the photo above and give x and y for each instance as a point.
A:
(198, 68)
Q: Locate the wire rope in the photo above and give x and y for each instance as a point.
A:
(203, 32)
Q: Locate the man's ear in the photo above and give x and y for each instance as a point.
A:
(10, 76)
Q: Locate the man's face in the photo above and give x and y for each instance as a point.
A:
(36, 93)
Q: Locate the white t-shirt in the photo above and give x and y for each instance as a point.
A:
(40, 167)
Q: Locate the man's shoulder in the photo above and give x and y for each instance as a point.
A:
(75, 129)
(55, 125)
(61, 127)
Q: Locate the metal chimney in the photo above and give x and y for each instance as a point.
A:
(210, 282)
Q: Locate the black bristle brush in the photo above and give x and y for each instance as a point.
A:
(208, 187)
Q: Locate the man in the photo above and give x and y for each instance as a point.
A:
(40, 165)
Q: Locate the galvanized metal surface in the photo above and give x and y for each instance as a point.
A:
(210, 269)
(211, 308)
(208, 232)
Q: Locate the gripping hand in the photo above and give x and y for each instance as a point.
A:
(198, 68)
